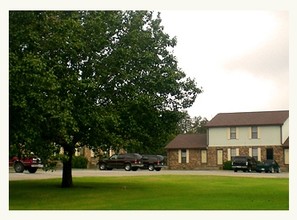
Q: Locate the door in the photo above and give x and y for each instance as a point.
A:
(269, 154)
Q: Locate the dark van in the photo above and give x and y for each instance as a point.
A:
(153, 162)
(130, 161)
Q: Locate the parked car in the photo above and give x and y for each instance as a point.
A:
(130, 161)
(153, 162)
(266, 166)
(244, 163)
(30, 163)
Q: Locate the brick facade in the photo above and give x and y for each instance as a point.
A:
(194, 161)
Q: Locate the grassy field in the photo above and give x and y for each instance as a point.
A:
(151, 193)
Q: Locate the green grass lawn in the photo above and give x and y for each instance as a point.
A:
(151, 193)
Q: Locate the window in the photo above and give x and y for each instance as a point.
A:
(203, 156)
(233, 133)
(254, 134)
(114, 157)
(255, 153)
(233, 153)
(184, 156)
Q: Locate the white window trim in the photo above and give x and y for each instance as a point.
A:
(259, 153)
(286, 156)
(237, 134)
(250, 151)
(258, 132)
(180, 156)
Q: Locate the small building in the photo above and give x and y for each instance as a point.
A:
(187, 151)
(262, 135)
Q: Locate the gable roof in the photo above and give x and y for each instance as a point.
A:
(188, 141)
(249, 119)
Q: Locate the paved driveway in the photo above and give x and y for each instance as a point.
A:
(40, 174)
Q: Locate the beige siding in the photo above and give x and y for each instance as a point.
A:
(269, 135)
(250, 132)
(285, 131)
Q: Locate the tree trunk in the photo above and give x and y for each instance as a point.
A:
(67, 172)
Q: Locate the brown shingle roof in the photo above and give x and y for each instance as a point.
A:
(188, 141)
(249, 118)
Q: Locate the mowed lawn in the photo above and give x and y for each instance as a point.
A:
(152, 193)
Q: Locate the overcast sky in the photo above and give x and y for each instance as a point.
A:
(239, 58)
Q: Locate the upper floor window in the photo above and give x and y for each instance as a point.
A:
(233, 133)
(254, 131)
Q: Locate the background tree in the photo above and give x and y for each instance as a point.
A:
(192, 125)
(99, 78)
(198, 125)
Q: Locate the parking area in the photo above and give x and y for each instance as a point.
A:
(40, 174)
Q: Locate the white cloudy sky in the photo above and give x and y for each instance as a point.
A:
(240, 58)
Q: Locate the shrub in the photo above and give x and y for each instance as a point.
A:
(79, 162)
(227, 165)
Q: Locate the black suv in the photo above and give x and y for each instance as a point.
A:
(131, 161)
(244, 163)
(153, 162)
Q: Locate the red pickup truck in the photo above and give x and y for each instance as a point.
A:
(30, 163)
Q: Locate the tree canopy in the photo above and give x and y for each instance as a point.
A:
(93, 78)
(188, 125)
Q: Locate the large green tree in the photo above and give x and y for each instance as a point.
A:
(94, 78)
